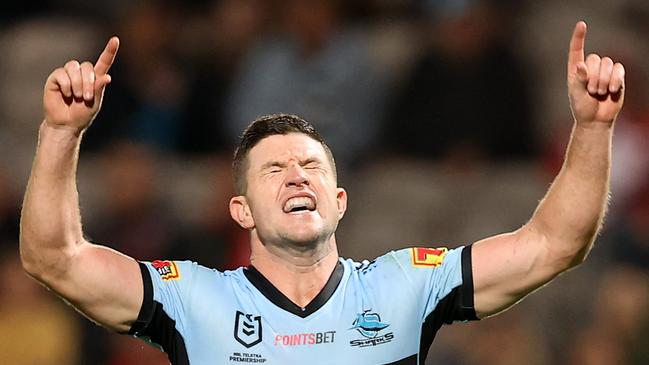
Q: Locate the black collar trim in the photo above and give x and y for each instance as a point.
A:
(280, 300)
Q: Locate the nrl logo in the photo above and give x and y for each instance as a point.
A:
(247, 329)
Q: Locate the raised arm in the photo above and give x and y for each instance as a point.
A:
(102, 283)
(564, 226)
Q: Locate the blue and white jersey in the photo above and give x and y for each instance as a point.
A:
(386, 311)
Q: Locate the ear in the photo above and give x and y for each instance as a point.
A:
(240, 212)
(341, 201)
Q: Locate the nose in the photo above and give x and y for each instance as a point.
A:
(296, 176)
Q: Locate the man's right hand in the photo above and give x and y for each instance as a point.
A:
(73, 93)
(100, 282)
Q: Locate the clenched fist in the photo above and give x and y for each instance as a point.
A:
(73, 93)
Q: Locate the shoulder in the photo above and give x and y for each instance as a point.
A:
(413, 266)
(411, 257)
(186, 272)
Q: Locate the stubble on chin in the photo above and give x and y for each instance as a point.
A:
(298, 244)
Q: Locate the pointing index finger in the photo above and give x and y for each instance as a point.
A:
(576, 53)
(107, 57)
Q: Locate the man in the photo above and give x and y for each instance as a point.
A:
(299, 301)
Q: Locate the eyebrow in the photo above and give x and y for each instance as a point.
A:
(271, 164)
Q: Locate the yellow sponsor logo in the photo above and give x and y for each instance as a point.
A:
(428, 257)
(167, 269)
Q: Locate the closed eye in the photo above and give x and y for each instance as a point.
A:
(311, 165)
(272, 167)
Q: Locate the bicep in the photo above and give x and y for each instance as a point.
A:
(105, 285)
(507, 267)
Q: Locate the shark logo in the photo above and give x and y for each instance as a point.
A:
(368, 324)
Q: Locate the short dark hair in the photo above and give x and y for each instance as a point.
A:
(266, 126)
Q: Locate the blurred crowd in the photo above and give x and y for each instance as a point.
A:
(448, 120)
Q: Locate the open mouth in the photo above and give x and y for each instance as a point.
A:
(299, 204)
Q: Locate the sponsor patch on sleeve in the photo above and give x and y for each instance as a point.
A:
(167, 269)
(427, 257)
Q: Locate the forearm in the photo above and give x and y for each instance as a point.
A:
(571, 214)
(564, 226)
(50, 226)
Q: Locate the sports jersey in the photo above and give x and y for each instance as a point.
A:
(384, 311)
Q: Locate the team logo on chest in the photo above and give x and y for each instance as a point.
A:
(247, 329)
(370, 325)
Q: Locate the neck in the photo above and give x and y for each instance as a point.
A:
(299, 275)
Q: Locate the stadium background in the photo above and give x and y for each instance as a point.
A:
(448, 119)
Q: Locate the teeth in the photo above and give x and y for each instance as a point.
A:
(299, 202)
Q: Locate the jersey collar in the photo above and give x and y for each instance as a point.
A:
(276, 297)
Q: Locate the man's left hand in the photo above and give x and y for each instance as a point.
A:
(595, 84)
